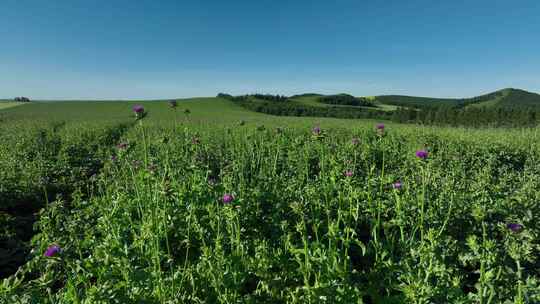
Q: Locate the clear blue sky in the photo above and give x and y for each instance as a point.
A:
(161, 49)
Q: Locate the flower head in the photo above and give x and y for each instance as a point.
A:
(397, 185)
(355, 141)
(348, 173)
(515, 227)
(316, 130)
(380, 126)
(422, 154)
(227, 198)
(122, 146)
(138, 109)
(52, 250)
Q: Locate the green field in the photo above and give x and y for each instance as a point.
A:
(222, 205)
(9, 104)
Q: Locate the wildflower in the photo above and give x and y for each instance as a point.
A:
(515, 227)
(380, 126)
(52, 250)
(422, 154)
(355, 141)
(113, 158)
(397, 185)
(227, 198)
(122, 146)
(173, 104)
(348, 173)
(139, 111)
(152, 168)
(316, 130)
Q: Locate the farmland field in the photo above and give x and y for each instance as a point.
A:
(207, 202)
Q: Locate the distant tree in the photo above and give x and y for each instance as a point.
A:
(22, 99)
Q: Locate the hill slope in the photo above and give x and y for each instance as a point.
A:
(505, 98)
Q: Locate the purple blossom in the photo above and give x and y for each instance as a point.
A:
(52, 250)
(515, 227)
(113, 158)
(138, 109)
(355, 141)
(348, 173)
(380, 126)
(422, 154)
(316, 130)
(397, 185)
(227, 198)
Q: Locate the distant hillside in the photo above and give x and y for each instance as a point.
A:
(506, 98)
(415, 101)
(510, 98)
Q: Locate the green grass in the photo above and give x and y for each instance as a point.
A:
(9, 104)
(145, 222)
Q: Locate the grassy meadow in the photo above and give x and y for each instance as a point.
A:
(207, 202)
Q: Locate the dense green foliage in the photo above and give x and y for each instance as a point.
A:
(469, 116)
(503, 108)
(290, 108)
(345, 99)
(316, 216)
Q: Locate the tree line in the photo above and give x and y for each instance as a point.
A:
(444, 115)
(469, 116)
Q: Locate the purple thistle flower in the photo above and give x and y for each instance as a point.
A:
(515, 227)
(316, 130)
(138, 109)
(113, 158)
(227, 198)
(355, 141)
(52, 250)
(397, 185)
(348, 173)
(422, 154)
(380, 126)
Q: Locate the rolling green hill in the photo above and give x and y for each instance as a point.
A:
(511, 98)
(505, 98)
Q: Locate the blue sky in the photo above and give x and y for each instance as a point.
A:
(163, 49)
